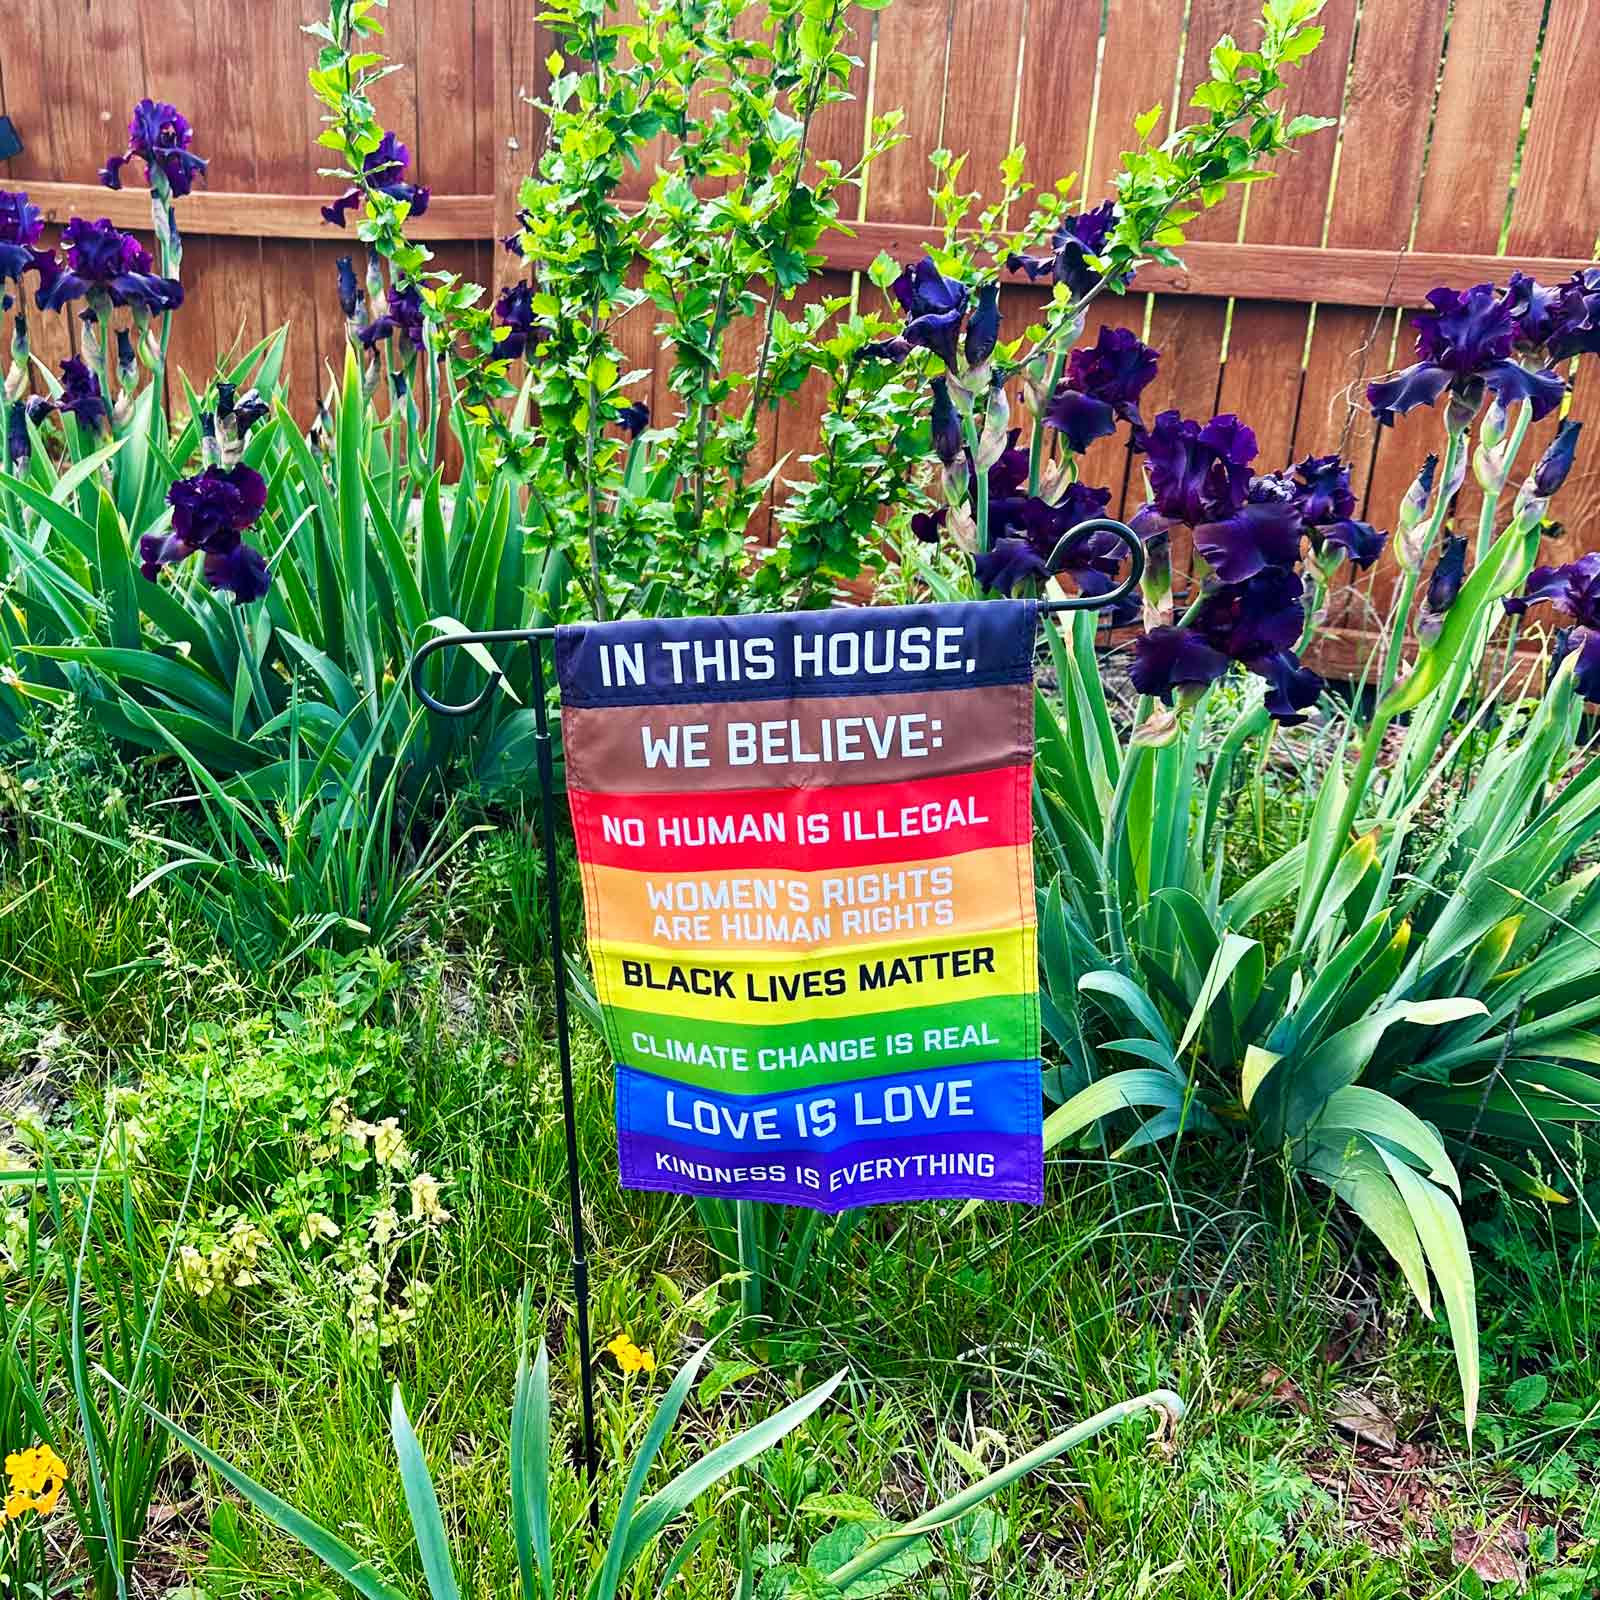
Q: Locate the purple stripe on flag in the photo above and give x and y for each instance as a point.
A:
(964, 1166)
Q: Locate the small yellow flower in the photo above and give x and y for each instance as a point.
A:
(425, 1206)
(389, 1144)
(383, 1225)
(36, 1477)
(317, 1225)
(629, 1356)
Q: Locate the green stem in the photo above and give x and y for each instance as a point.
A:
(1036, 443)
(1454, 445)
(1491, 502)
(980, 475)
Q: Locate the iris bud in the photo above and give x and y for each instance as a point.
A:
(1465, 399)
(1445, 584)
(1554, 465)
(19, 445)
(946, 424)
(983, 327)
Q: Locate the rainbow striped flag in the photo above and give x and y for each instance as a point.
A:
(806, 844)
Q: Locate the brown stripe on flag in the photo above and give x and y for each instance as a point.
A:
(778, 744)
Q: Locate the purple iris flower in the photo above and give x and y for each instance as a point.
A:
(1465, 343)
(1551, 469)
(1103, 384)
(159, 135)
(1322, 486)
(514, 310)
(1263, 532)
(1449, 573)
(1534, 310)
(1327, 504)
(1255, 623)
(1198, 474)
(402, 314)
(1586, 675)
(934, 306)
(240, 570)
(20, 227)
(634, 418)
(1577, 318)
(1073, 242)
(102, 260)
(1168, 661)
(1018, 519)
(983, 327)
(1008, 564)
(80, 394)
(384, 169)
(513, 241)
(210, 512)
(349, 290)
(1573, 589)
(945, 424)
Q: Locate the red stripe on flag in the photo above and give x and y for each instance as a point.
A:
(805, 830)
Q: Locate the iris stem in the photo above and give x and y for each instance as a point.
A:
(1455, 443)
(980, 475)
(1036, 443)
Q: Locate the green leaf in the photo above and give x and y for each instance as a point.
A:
(723, 1376)
(423, 1504)
(1497, 574)
(117, 575)
(980, 1534)
(1444, 1240)
(530, 1469)
(904, 1557)
(1139, 1005)
(1356, 1109)
(330, 1550)
(711, 1468)
(1120, 1091)
(1527, 1394)
(840, 1507)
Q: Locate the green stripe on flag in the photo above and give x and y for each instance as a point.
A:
(778, 1057)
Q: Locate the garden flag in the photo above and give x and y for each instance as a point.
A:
(806, 844)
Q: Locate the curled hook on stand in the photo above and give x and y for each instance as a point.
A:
(533, 636)
(527, 636)
(1096, 602)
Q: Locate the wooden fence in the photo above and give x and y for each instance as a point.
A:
(1468, 142)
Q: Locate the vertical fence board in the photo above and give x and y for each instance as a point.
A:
(1263, 376)
(1554, 212)
(1383, 142)
(1055, 98)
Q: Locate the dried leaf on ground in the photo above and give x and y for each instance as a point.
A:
(1497, 1555)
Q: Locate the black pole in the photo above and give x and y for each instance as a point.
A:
(558, 959)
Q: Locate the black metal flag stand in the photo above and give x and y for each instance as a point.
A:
(534, 639)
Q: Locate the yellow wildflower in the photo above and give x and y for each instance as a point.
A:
(629, 1356)
(36, 1478)
(389, 1144)
(425, 1206)
(317, 1225)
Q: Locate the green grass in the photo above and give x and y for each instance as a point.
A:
(989, 1334)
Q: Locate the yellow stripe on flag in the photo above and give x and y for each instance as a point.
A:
(732, 986)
